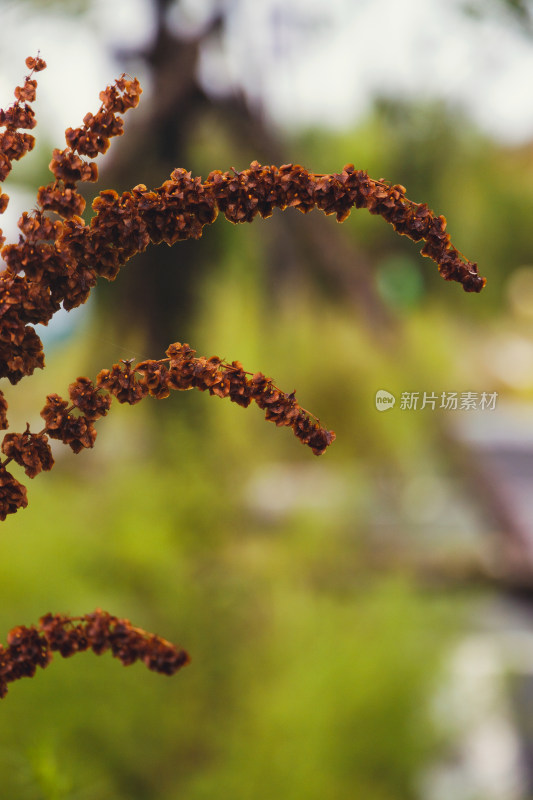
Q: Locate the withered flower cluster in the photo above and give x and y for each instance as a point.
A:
(258, 190)
(29, 648)
(73, 422)
(185, 371)
(59, 258)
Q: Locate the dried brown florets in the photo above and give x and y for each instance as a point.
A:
(29, 648)
(64, 635)
(23, 354)
(37, 228)
(64, 200)
(76, 431)
(29, 450)
(122, 383)
(85, 396)
(12, 494)
(26, 92)
(93, 138)
(54, 413)
(35, 64)
(89, 140)
(154, 375)
(240, 391)
(18, 116)
(13, 144)
(3, 412)
(70, 168)
(123, 95)
(74, 287)
(26, 651)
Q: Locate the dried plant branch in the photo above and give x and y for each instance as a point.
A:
(58, 260)
(29, 648)
(73, 422)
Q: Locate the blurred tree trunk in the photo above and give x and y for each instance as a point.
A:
(157, 287)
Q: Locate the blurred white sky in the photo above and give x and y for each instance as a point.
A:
(307, 61)
(330, 72)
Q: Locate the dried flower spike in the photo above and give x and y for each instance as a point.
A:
(29, 648)
(58, 261)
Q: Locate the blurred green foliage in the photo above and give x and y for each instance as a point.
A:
(310, 674)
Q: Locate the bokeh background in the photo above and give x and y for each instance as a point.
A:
(360, 625)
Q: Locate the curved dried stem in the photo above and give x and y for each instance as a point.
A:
(29, 648)
(73, 422)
